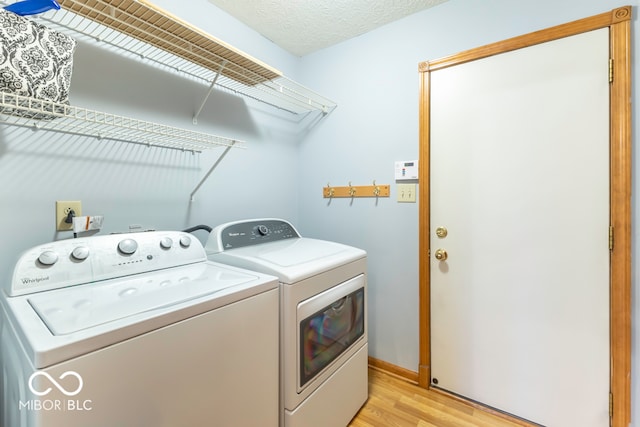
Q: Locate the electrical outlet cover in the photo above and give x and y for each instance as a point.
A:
(62, 211)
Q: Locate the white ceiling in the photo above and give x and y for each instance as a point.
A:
(304, 26)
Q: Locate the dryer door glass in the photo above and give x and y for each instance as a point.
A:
(330, 331)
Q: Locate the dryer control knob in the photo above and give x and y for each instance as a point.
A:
(80, 253)
(185, 241)
(128, 246)
(263, 230)
(166, 243)
(48, 258)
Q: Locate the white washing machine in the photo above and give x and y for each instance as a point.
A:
(137, 330)
(323, 291)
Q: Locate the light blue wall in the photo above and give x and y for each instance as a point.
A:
(132, 184)
(374, 80)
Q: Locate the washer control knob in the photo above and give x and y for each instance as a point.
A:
(48, 258)
(185, 241)
(80, 253)
(128, 246)
(263, 230)
(166, 243)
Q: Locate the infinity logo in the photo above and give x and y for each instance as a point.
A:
(55, 383)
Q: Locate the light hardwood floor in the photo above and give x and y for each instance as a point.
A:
(395, 402)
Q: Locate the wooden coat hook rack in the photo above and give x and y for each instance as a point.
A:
(374, 190)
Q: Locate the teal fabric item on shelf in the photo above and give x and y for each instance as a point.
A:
(35, 62)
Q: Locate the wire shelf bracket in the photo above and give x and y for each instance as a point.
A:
(204, 101)
(206, 176)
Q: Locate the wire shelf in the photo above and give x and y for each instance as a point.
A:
(148, 32)
(28, 112)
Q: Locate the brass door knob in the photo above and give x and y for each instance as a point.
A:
(441, 255)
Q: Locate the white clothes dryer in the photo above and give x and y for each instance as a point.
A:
(323, 312)
(137, 330)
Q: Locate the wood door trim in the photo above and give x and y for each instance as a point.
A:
(602, 20)
(619, 22)
(620, 206)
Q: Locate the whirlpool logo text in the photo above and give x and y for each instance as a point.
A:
(47, 384)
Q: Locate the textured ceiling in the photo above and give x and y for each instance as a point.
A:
(304, 26)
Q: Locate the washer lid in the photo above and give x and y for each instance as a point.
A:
(73, 309)
(300, 251)
(291, 260)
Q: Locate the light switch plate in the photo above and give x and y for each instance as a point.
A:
(407, 193)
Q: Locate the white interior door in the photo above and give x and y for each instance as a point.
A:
(519, 176)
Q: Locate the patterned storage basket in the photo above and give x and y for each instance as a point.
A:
(36, 62)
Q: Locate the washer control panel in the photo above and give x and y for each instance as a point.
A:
(85, 260)
(250, 232)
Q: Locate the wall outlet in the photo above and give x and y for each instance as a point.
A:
(62, 212)
(407, 193)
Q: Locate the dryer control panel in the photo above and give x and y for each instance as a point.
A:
(250, 232)
(79, 261)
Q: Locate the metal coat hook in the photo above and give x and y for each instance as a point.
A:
(376, 190)
(352, 190)
(330, 191)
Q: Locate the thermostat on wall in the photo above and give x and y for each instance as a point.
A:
(406, 170)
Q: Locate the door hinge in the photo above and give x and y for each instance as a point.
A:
(610, 70)
(611, 237)
(610, 405)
